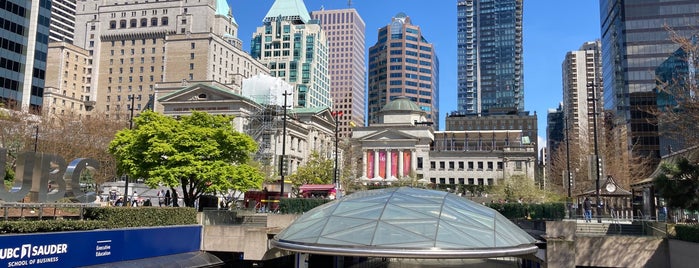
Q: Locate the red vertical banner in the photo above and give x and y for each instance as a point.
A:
(394, 163)
(382, 164)
(406, 162)
(369, 164)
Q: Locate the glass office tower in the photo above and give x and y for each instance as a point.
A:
(635, 41)
(489, 40)
(25, 37)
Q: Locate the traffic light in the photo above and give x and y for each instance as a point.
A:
(283, 166)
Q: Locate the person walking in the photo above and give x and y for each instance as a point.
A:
(167, 198)
(587, 206)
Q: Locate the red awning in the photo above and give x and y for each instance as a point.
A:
(317, 187)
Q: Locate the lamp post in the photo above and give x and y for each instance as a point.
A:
(281, 162)
(126, 203)
(336, 115)
(597, 164)
(36, 137)
(570, 184)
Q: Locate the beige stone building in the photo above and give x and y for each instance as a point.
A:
(68, 73)
(401, 146)
(308, 130)
(137, 44)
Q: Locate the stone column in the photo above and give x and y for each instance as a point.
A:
(400, 164)
(413, 160)
(388, 163)
(364, 163)
(376, 163)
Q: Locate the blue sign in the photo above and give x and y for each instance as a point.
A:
(82, 248)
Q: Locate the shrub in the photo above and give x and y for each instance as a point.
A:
(31, 226)
(119, 217)
(299, 205)
(688, 233)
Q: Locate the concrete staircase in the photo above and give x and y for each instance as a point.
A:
(254, 220)
(604, 229)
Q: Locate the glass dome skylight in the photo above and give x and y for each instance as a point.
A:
(405, 222)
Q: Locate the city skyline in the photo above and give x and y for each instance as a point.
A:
(551, 29)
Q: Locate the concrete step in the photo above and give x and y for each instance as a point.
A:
(602, 229)
(254, 220)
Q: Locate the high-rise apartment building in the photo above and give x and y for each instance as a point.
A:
(489, 56)
(344, 30)
(294, 47)
(24, 37)
(635, 41)
(62, 20)
(403, 63)
(582, 75)
(555, 140)
(137, 44)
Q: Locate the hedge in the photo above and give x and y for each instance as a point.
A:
(119, 217)
(688, 233)
(546, 211)
(106, 218)
(300, 205)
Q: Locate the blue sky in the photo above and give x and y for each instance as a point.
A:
(551, 29)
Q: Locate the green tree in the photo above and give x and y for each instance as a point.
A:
(200, 153)
(317, 170)
(518, 186)
(679, 184)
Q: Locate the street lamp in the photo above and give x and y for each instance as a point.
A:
(597, 164)
(569, 203)
(132, 98)
(336, 115)
(281, 162)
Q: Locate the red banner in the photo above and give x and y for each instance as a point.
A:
(406, 162)
(394, 163)
(369, 164)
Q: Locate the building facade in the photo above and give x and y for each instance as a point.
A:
(308, 130)
(400, 147)
(489, 55)
(555, 141)
(62, 21)
(135, 45)
(403, 63)
(67, 76)
(582, 76)
(294, 47)
(25, 38)
(345, 31)
(509, 121)
(635, 41)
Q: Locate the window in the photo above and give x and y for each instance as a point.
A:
(451, 165)
(112, 25)
(193, 45)
(433, 165)
(122, 24)
(419, 163)
(133, 23)
(461, 165)
(164, 21)
(144, 22)
(470, 165)
(490, 165)
(154, 22)
(480, 165)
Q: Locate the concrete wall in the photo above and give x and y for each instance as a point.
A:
(252, 241)
(684, 254)
(565, 249)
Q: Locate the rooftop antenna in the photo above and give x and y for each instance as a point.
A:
(349, 3)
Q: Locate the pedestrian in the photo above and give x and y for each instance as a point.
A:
(587, 206)
(134, 199)
(167, 198)
(175, 199)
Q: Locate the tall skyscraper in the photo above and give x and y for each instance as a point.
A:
(489, 42)
(135, 45)
(25, 38)
(62, 20)
(581, 69)
(635, 41)
(294, 47)
(403, 63)
(345, 29)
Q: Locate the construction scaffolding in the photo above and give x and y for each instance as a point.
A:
(263, 125)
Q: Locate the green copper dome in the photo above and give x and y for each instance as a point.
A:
(405, 222)
(401, 104)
